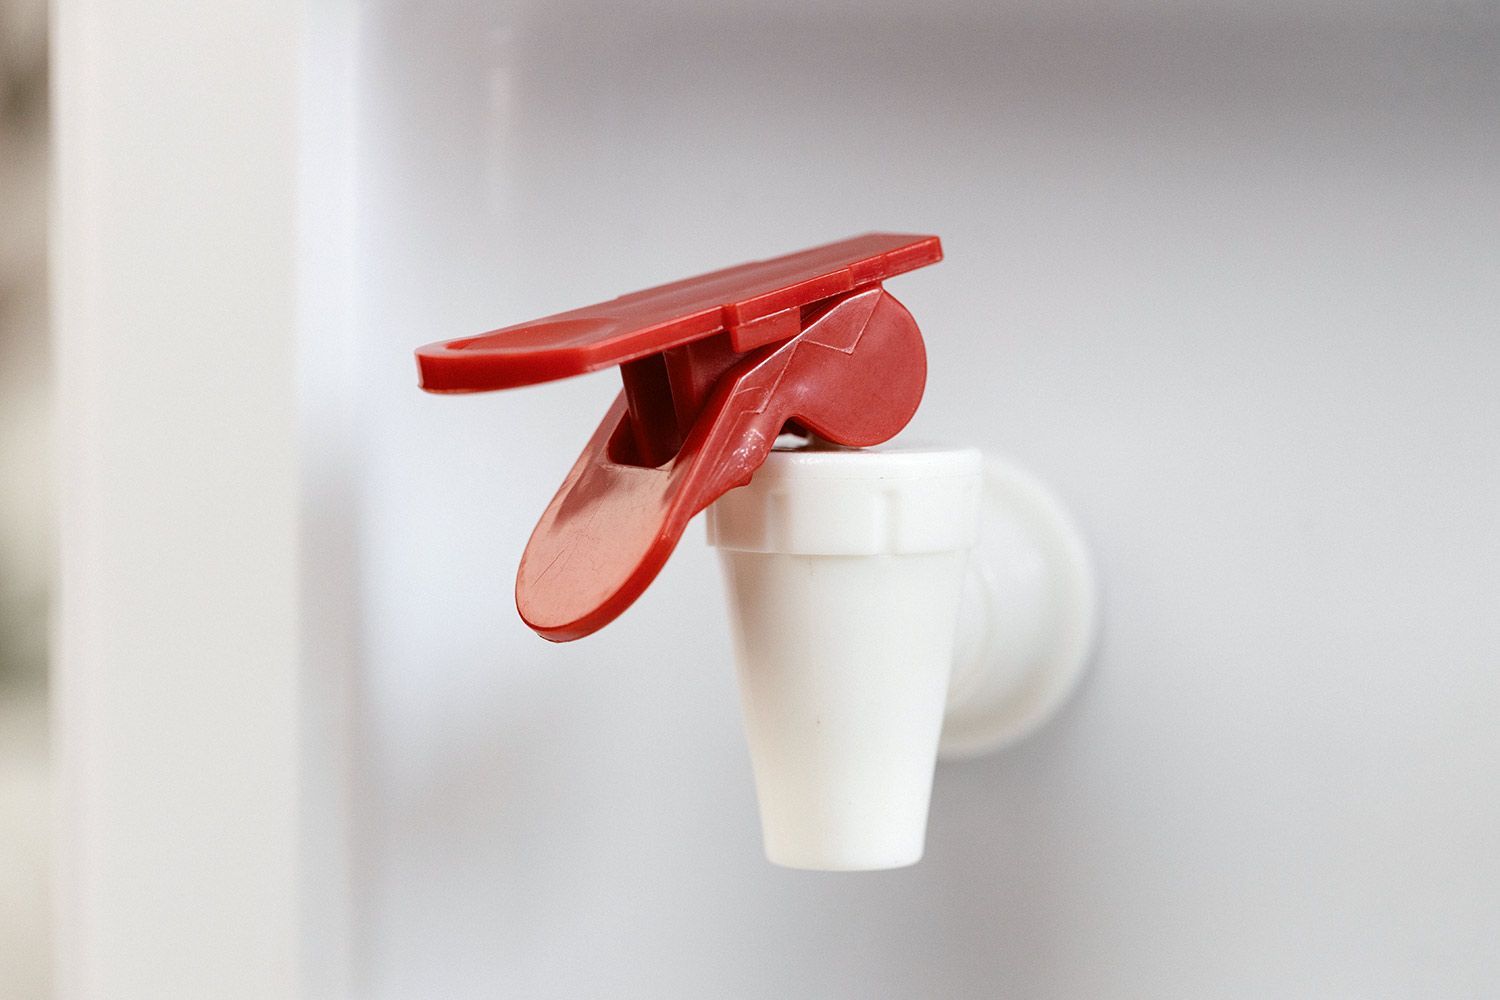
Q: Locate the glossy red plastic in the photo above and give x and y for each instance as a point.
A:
(714, 367)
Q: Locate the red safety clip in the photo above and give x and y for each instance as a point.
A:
(715, 367)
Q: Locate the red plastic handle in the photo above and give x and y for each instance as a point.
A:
(715, 368)
(755, 303)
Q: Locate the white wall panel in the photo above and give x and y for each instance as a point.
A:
(1228, 280)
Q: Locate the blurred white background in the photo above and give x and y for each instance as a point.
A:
(1227, 276)
(1224, 274)
(25, 507)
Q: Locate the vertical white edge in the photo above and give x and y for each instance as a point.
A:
(201, 658)
(329, 445)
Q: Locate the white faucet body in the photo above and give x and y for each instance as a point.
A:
(847, 571)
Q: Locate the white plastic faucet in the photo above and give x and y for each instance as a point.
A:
(886, 601)
(888, 604)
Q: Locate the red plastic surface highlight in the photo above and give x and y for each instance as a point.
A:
(714, 368)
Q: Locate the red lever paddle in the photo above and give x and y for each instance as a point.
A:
(715, 367)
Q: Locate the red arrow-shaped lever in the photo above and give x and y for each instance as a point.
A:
(715, 367)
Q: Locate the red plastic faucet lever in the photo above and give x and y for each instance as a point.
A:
(715, 367)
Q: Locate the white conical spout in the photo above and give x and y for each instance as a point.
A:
(845, 572)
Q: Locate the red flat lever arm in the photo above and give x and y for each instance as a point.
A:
(714, 368)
